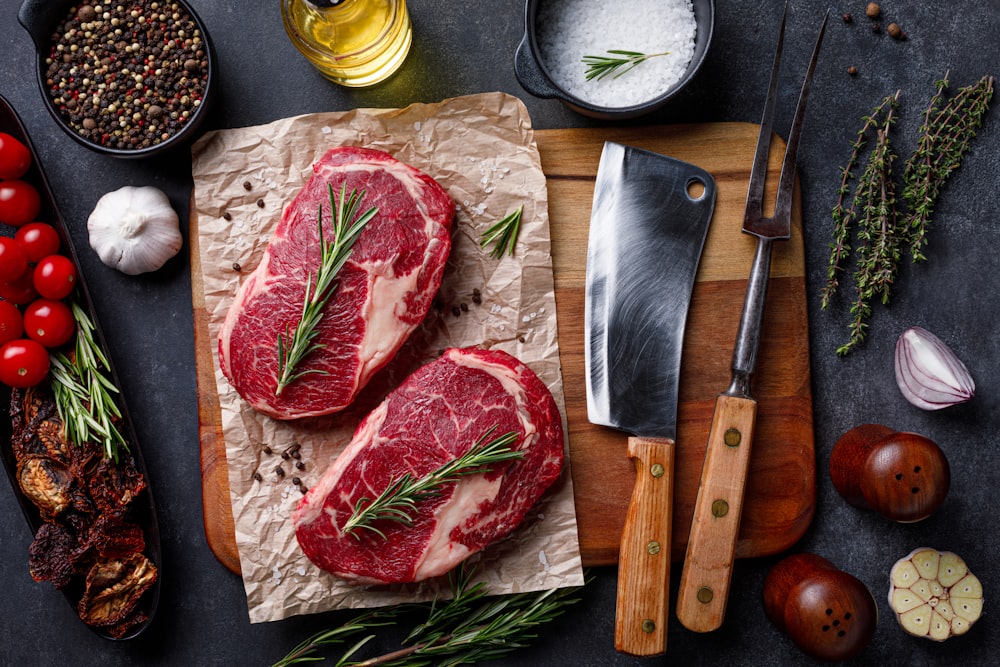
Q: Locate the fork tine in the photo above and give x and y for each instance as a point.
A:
(778, 225)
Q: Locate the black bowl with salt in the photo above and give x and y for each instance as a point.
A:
(128, 81)
(612, 61)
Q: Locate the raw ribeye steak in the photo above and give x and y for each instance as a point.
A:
(438, 414)
(383, 292)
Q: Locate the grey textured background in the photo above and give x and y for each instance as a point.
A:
(467, 46)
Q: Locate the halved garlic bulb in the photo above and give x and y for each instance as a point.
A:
(134, 229)
(934, 595)
(928, 372)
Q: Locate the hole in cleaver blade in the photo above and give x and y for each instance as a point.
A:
(648, 225)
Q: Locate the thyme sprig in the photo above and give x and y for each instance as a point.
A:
(885, 227)
(503, 234)
(398, 501)
(334, 254)
(618, 62)
(946, 134)
(469, 628)
(84, 393)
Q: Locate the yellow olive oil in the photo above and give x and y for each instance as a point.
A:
(351, 42)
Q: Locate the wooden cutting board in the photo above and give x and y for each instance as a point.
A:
(781, 488)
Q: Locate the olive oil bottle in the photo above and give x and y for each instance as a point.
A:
(351, 42)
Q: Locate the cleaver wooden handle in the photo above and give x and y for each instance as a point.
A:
(644, 559)
(711, 547)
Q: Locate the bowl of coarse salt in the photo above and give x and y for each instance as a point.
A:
(612, 60)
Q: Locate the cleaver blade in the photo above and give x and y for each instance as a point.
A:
(649, 220)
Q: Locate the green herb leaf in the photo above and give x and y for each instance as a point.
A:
(618, 62)
(398, 501)
(83, 393)
(346, 231)
(503, 234)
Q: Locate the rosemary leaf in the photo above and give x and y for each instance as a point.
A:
(618, 62)
(84, 393)
(294, 346)
(503, 234)
(398, 501)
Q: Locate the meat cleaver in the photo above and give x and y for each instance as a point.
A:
(648, 225)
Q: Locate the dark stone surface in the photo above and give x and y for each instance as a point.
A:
(467, 46)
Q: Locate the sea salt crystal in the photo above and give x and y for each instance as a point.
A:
(571, 29)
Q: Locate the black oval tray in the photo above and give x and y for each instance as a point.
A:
(145, 510)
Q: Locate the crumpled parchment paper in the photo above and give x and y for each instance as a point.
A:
(481, 149)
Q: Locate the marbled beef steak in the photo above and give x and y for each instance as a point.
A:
(383, 292)
(437, 414)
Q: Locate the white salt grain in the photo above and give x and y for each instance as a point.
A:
(568, 30)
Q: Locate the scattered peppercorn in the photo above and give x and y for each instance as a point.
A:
(852, 70)
(477, 296)
(267, 450)
(285, 456)
(236, 267)
(304, 489)
(895, 31)
(279, 471)
(456, 311)
(117, 76)
(260, 203)
(247, 186)
(227, 216)
(464, 306)
(873, 11)
(257, 476)
(296, 481)
(520, 339)
(876, 27)
(847, 17)
(299, 465)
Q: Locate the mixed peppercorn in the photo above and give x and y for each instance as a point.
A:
(129, 75)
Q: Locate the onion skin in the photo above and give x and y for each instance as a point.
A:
(928, 373)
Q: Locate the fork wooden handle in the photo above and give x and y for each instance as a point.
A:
(711, 547)
(643, 602)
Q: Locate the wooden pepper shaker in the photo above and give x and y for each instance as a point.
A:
(902, 476)
(828, 613)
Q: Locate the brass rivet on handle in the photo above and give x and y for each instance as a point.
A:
(720, 508)
(648, 625)
(732, 437)
(656, 470)
(653, 548)
(704, 595)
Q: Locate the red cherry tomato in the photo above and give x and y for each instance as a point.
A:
(15, 158)
(23, 363)
(11, 323)
(13, 260)
(38, 240)
(49, 322)
(19, 202)
(20, 291)
(55, 277)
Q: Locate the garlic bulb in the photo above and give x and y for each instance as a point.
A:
(928, 372)
(134, 229)
(934, 595)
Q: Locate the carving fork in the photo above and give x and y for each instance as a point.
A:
(708, 563)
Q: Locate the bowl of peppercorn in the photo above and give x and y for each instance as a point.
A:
(126, 80)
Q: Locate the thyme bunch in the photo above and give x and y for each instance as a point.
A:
(398, 501)
(334, 254)
(885, 227)
(84, 393)
(467, 629)
(946, 134)
(617, 62)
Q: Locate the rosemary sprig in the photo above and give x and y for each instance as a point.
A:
(398, 501)
(945, 136)
(346, 231)
(618, 62)
(467, 629)
(84, 393)
(503, 234)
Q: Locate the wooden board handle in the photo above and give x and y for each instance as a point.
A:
(644, 559)
(711, 548)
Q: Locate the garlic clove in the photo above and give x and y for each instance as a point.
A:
(928, 373)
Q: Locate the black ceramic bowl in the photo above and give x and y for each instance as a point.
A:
(535, 77)
(41, 18)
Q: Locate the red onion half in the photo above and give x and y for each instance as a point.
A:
(928, 373)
